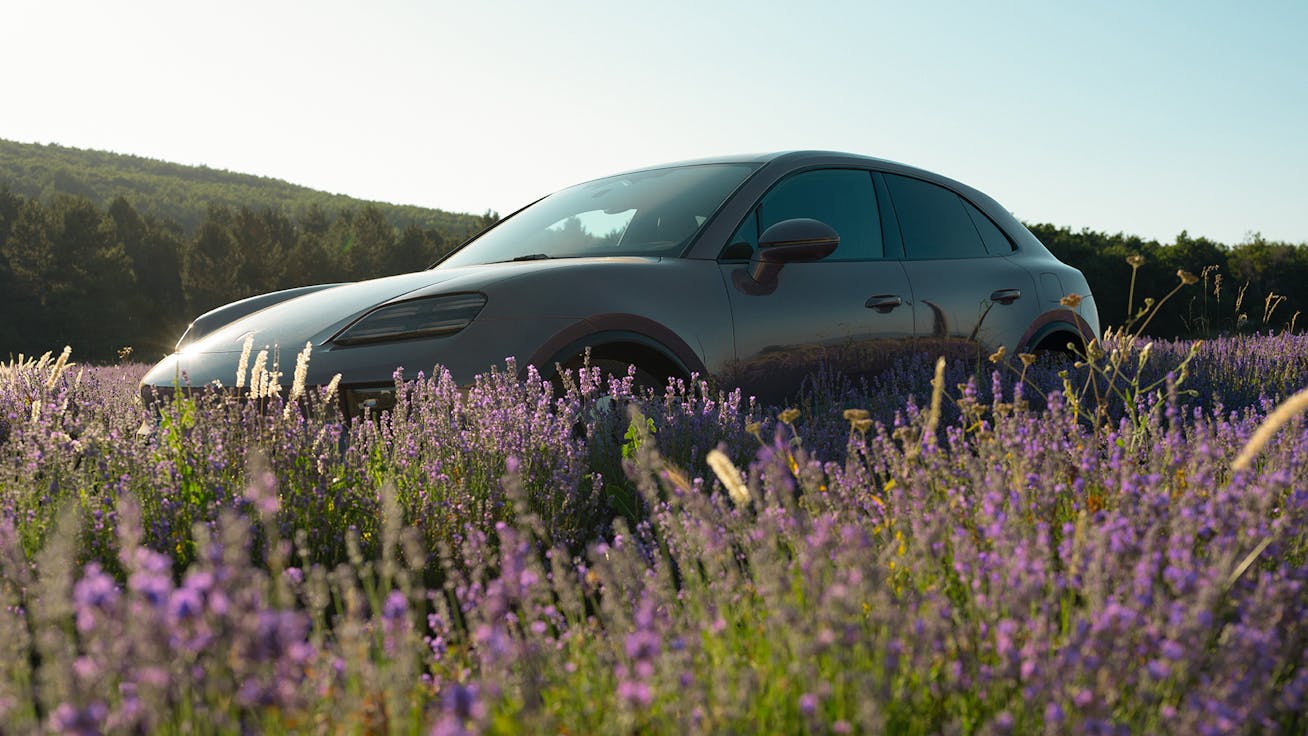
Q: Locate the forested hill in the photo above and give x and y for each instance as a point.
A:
(184, 194)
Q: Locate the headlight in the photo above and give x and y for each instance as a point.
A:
(428, 317)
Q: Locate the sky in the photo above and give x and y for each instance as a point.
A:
(1141, 117)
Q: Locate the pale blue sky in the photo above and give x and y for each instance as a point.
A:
(1143, 117)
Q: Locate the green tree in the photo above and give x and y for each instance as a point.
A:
(211, 271)
(72, 282)
(414, 251)
(374, 237)
(157, 307)
(10, 326)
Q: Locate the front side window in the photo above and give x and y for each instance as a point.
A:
(842, 198)
(647, 213)
(934, 222)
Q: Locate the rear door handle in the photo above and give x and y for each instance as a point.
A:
(1006, 296)
(884, 303)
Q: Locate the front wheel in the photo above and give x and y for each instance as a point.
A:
(643, 380)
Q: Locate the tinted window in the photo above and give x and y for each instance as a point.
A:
(996, 242)
(933, 220)
(842, 198)
(744, 242)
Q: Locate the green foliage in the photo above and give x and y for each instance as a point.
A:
(634, 437)
(183, 194)
(1257, 285)
(135, 272)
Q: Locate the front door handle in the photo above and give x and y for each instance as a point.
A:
(883, 303)
(1005, 296)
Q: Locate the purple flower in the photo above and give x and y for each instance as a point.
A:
(153, 587)
(87, 721)
(636, 692)
(396, 607)
(1158, 669)
(93, 595)
(643, 645)
(1054, 714)
(185, 603)
(463, 702)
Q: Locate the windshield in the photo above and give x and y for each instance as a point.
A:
(648, 213)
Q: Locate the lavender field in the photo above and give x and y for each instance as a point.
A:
(990, 548)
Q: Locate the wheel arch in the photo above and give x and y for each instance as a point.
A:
(620, 337)
(1054, 330)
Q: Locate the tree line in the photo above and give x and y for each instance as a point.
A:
(102, 279)
(1254, 286)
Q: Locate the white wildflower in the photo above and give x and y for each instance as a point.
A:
(332, 387)
(241, 365)
(257, 374)
(301, 372)
(58, 367)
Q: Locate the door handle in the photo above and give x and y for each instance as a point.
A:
(1005, 296)
(883, 303)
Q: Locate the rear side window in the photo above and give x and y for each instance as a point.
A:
(841, 198)
(935, 222)
(996, 242)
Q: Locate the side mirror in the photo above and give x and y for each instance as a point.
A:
(800, 240)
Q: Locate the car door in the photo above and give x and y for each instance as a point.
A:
(969, 292)
(849, 311)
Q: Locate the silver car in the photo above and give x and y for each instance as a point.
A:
(752, 270)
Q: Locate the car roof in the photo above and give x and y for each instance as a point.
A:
(793, 157)
(792, 160)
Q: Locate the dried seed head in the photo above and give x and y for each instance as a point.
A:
(332, 386)
(1027, 358)
(241, 364)
(1289, 409)
(854, 415)
(1186, 277)
(301, 371)
(60, 364)
(1135, 260)
(788, 416)
(998, 355)
(257, 378)
(1071, 301)
(729, 476)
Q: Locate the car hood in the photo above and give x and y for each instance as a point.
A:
(317, 316)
